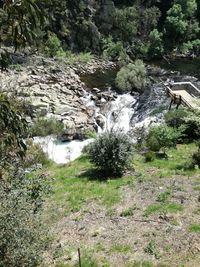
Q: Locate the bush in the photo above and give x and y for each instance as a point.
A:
(187, 122)
(45, 127)
(34, 155)
(156, 45)
(111, 153)
(23, 237)
(112, 50)
(53, 45)
(161, 137)
(132, 77)
(149, 156)
(175, 118)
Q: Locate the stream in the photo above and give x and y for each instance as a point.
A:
(125, 112)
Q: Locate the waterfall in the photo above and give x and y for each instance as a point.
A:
(125, 112)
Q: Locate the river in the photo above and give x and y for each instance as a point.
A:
(127, 112)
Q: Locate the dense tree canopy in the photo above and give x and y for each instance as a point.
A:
(83, 25)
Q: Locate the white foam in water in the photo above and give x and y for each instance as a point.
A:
(120, 113)
(61, 152)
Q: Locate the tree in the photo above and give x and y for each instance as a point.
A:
(23, 17)
(181, 25)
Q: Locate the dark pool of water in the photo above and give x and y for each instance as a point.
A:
(100, 79)
(105, 79)
(185, 66)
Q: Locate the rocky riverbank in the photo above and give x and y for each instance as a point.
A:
(53, 89)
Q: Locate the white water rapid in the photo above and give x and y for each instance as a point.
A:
(124, 112)
(117, 115)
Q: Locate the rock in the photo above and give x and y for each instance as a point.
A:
(97, 231)
(100, 120)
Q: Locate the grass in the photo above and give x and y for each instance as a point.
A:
(176, 164)
(128, 212)
(163, 208)
(194, 228)
(120, 248)
(164, 196)
(78, 183)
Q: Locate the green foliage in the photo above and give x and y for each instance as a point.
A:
(87, 260)
(90, 134)
(126, 23)
(164, 196)
(132, 77)
(175, 118)
(128, 212)
(194, 228)
(161, 137)
(22, 237)
(181, 25)
(44, 127)
(13, 130)
(150, 155)
(163, 208)
(23, 18)
(34, 155)
(53, 45)
(112, 50)
(72, 59)
(111, 153)
(196, 158)
(156, 48)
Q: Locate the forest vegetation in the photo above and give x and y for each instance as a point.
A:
(122, 204)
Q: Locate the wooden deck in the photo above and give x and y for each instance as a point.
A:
(184, 93)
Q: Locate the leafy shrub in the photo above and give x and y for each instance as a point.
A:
(149, 156)
(44, 127)
(156, 46)
(111, 153)
(72, 59)
(53, 45)
(196, 156)
(186, 121)
(112, 50)
(161, 137)
(23, 237)
(191, 126)
(35, 155)
(132, 77)
(153, 143)
(175, 118)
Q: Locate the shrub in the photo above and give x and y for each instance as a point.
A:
(23, 237)
(35, 155)
(161, 137)
(112, 50)
(149, 156)
(156, 45)
(44, 127)
(196, 156)
(111, 153)
(73, 59)
(53, 45)
(175, 118)
(132, 77)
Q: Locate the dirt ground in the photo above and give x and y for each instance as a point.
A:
(126, 233)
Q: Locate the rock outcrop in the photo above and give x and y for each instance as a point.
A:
(53, 89)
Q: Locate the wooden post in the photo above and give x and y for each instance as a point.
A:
(79, 257)
(170, 104)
